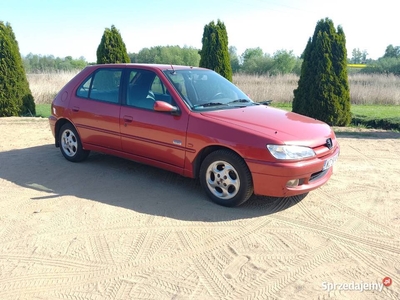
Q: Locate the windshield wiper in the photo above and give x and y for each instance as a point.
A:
(209, 104)
(266, 102)
(240, 101)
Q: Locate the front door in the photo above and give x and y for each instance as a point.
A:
(147, 133)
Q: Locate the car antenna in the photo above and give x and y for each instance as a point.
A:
(173, 70)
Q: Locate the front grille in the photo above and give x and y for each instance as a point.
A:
(323, 152)
(318, 175)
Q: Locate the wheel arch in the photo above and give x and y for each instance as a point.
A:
(60, 123)
(206, 151)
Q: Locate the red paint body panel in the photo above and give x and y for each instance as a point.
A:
(97, 123)
(154, 138)
(175, 142)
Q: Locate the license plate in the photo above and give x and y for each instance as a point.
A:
(329, 162)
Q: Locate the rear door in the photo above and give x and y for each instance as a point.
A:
(95, 108)
(158, 136)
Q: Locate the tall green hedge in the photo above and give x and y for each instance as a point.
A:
(323, 92)
(214, 54)
(112, 49)
(15, 95)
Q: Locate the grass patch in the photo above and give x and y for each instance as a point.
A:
(282, 105)
(376, 116)
(43, 110)
(376, 111)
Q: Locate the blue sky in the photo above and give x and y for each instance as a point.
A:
(75, 27)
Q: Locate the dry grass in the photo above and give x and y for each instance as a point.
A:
(263, 87)
(44, 87)
(374, 89)
(364, 88)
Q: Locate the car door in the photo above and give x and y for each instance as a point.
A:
(159, 136)
(95, 109)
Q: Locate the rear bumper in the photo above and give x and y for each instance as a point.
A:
(270, 179)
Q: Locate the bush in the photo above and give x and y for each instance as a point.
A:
(112, 49)
(323, 92)
(15, 95)
(214, 54)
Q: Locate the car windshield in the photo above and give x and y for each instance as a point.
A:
(207, 90)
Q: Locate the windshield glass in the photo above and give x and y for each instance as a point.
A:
(206, 89)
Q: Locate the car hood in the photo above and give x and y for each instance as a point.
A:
(280, 126)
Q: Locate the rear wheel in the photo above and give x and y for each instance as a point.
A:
(225, 178)
(70, 144)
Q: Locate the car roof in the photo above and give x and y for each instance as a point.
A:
(161, 67)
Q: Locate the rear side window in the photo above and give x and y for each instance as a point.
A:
(103, 85)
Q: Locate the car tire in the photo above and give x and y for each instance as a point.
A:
(70, 144)
(225, 178)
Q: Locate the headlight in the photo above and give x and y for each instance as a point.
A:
(290, 152)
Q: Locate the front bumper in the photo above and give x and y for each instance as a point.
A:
(271, 179)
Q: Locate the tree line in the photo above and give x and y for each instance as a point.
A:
(34, 63)
(251, 61)
(389, 63)
(255, 61)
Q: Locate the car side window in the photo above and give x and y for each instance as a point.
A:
(161, 92)
(102, 85)
(179, 82)
(157, 86)
(139, 93)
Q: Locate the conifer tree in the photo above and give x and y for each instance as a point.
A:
(15, 95)
(214, 54)
(112, 49)
(323, 91)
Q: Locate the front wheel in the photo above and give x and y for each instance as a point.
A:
(70, 144)
(225, 178)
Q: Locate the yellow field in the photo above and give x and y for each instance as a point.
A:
(356, 66)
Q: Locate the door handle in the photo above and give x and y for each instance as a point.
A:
(75, 108)
(128, 119)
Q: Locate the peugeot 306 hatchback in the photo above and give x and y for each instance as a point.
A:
(193, 122)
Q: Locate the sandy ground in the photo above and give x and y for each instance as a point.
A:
(113, 229)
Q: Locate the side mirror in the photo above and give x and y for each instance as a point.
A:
(163, 106)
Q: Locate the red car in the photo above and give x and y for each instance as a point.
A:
(193, 122)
